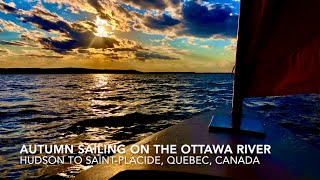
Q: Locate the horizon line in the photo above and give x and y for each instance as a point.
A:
(78, 70)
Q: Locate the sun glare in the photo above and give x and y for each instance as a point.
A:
(103, 28)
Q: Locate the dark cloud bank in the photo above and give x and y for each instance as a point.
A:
(198, 20)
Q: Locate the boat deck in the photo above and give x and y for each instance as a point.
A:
(290, 158)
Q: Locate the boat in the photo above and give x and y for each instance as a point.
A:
(278, 53)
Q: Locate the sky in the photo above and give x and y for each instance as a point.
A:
(143, 35)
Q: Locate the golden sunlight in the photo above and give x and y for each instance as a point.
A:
(103, 28)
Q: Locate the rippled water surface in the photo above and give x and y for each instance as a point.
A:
(109, 108)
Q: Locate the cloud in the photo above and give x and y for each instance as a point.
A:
(192, 18)
(196, 20)
(145, 55)
(162, 42)
(206, 46)
(63, 38)
(7, 8)
(43, 19)
(78, 38)
(40, 54)
(199, 19)
(207, 20)
(82, 41)
(231, 47)
(156, 24)
(118, 54)
(11, 26)
(95, 4)
(171, 52)
(74, 6)
(16, 43)
(32, 53)
(118, 16)
(153, 4)
(189, 42)
(160, 22)
(5, 52)
(126, 54)
(76, 34)
(32, 35)
(79, 35)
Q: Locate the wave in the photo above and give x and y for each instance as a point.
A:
(114, 121)
(42, 119)
(122, 121)
(21, 106)
(219, 84)
(160, 96)
(108, 106)
(29, 111)
(111, 98)
(72, 86)
(23, 87)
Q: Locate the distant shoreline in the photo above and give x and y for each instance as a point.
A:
(85, 71)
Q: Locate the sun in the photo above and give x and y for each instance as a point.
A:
(103, 28)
